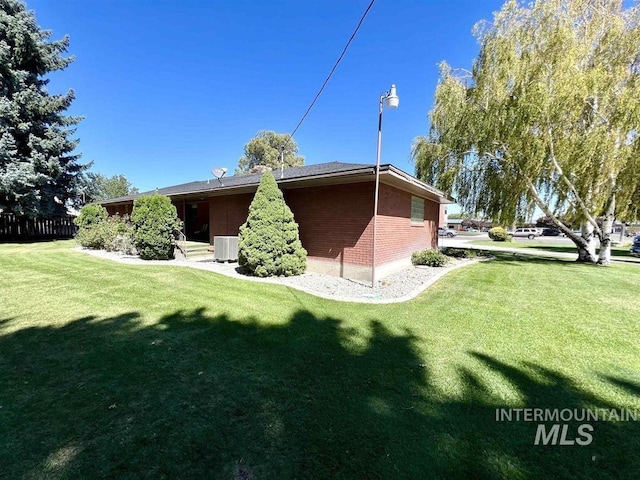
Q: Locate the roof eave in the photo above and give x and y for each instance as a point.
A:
(389, 174)
(412, 184)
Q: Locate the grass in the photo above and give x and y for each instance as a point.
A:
(116, 371)
(616, 251)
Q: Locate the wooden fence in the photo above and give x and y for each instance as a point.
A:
(18, 228)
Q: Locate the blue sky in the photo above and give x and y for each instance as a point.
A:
(171, 89)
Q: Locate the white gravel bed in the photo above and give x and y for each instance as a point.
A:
(397, 287)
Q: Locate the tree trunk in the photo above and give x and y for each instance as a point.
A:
(604, 255)
(585, 255)
(585, 242)
(587, 250)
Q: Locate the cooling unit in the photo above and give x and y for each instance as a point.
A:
(225, 249)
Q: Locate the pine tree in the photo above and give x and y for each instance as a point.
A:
(269, 241)
(38, 169)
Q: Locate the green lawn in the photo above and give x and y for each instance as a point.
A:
(616, 251)
(115, 371)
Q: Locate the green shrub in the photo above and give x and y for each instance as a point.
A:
(269, 242)
(117, 234)
(154, 220)
(430, 258)
(90, 237)
(100, 231)
(459, 252)
(499, 234)
(89, 222)
(91, 216)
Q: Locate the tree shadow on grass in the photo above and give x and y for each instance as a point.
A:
(531, 257)
(608, 453)
(522, 257)
(632, 387)
(196, 396)
(618, 254)
(527, 253)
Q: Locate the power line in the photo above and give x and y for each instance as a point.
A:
(353, 35)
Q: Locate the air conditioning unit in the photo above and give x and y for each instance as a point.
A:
(225, 249)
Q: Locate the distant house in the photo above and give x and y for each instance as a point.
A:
(333, 204)
(455, 224)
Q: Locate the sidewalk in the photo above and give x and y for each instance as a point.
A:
(467, 242)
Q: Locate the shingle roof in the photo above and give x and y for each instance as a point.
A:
(248, 180)
(293, 174)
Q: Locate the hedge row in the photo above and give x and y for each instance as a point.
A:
(149, 231)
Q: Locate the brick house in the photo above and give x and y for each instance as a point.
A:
(333, 204)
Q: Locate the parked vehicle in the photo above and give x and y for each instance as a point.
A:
(551, 232)
(446, 232)
(526, 232)
(635, 248)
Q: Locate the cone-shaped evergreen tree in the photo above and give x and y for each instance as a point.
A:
(269, 241)
(38, 170)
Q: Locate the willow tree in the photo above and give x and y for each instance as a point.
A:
(547, 117)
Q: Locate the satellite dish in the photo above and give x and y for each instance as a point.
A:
(219, 173)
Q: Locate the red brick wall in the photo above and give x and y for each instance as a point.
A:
(335, 221)
(396, 236)
(227, 213)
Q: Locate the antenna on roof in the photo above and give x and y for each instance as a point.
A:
(281, 162)
(219, 173)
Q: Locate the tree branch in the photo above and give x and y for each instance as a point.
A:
(542, 204)
(569, 184)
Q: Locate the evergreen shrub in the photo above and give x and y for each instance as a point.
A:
(154, 220)
(89, 221)
(269, 242)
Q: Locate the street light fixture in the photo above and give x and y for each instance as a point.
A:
(390, 98)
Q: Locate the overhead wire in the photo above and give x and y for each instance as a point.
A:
(333, 69)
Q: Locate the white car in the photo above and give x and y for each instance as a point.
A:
(446, 232)
(526, 232)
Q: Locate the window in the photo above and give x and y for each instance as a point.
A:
(417, 211)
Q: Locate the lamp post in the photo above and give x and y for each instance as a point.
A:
(390, 98)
